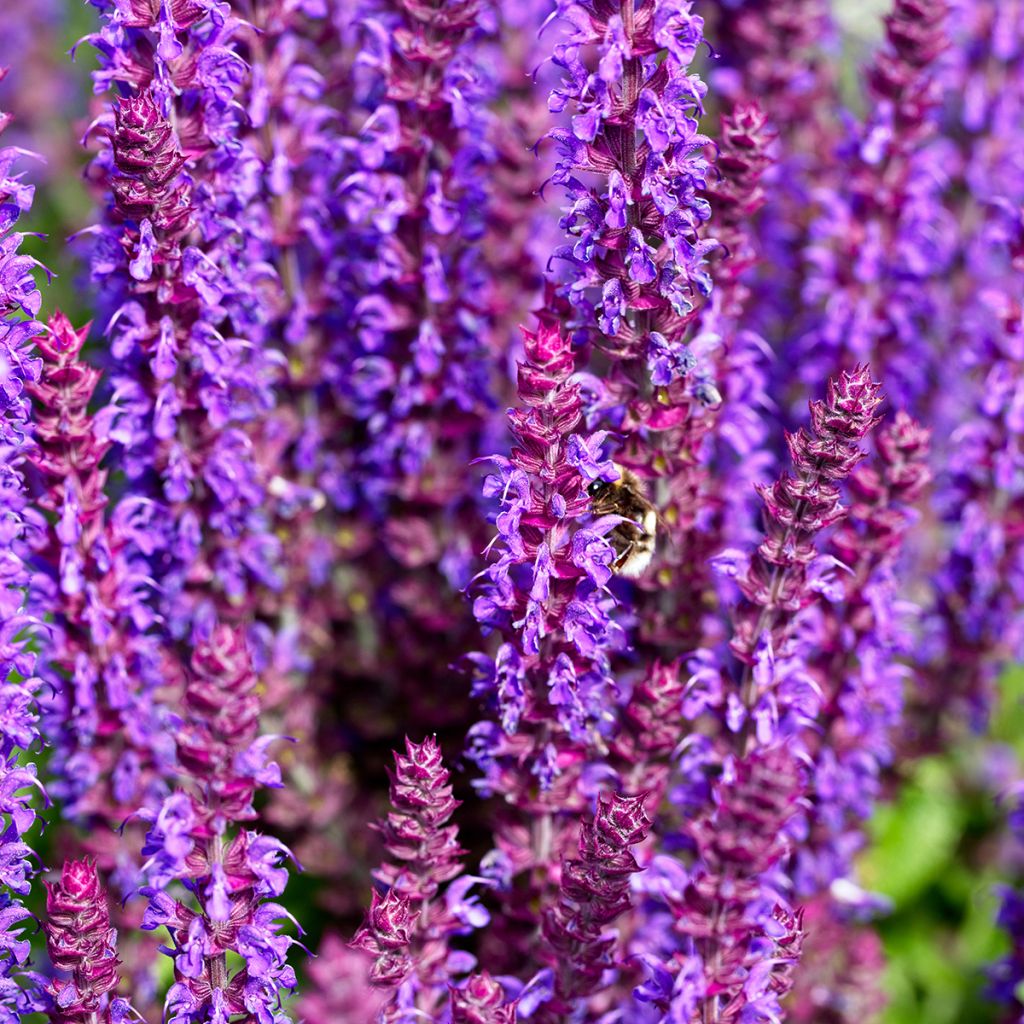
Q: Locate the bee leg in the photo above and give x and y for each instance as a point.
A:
(623, 556)
(636, 557)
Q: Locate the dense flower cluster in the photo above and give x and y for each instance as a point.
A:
(81, 942)
(881, 229)
(232, 878)
(734, 935)
(20, 302)
(862, 634)
(593, 892)
(110, 751)
(681, 574)
(408, 927)
(546, 589)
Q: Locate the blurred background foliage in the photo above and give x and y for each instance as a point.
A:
(938, 852)
(937, 849)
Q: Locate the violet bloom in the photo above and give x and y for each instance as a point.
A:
(633, 167)
(545, 593)
(881, 229)
(19, 304)
(977, 623)
(734, 909)
(979, 614)
(409, 925)
(102, 663)
(82, 943)
(182, 300)
(232, 876)
(741, 787)
(593, 893)
(636, 258)
(418, 344)
(399, 375)
(861, 636)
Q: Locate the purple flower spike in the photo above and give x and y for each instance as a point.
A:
(20, 991)
(104, 663)
(881, 227)
(185, 305)
(594, 892)
(83, 944)
(738, 937)
(231, 878)
(416, 832)
(798, 507)
(408, 929)
(546, 593)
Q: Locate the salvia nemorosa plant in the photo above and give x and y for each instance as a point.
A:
(20, 302)
(510, 375)
(82, 944)
(111, 750)
(231, 875)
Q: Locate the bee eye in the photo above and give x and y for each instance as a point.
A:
(596, 488)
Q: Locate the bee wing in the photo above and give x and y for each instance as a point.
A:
(606, 523)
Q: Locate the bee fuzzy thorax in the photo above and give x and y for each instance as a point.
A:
(633, 540)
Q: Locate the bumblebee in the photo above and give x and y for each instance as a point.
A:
(633, 541)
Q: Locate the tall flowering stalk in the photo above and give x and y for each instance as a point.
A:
(636, 262)
(741, 937)
(420, 327)
(545, 588)
(742, 787)
(980, 597)
(592, 894)
(635, 265)
(182, 293)
(862, 636)
(411, 923)
(395, 369)
(778, 580)
(20, 301)
(103, 663)
(977, 619)
(549, 686)
(882, 240)
(231, 875)
(82, 943)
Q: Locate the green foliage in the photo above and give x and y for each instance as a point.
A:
(935, 852)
